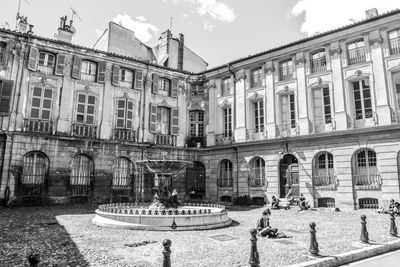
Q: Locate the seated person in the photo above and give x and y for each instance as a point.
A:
(263, 221)
(274, 203)
(290, 196)
(303, 204)
(265, 230)
(394, 207)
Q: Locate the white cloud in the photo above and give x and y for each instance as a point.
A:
(212, 8)
(208, 26)
(320, 16)
(143, 30)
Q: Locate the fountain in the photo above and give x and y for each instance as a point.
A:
(165, 212)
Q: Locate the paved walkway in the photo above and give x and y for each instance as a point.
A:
(391, 259)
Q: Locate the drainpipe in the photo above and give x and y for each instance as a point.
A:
(237, 170)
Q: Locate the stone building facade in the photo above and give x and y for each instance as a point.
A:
(320, 116)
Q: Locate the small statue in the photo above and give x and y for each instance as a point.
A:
(173, 200)
(156, 204)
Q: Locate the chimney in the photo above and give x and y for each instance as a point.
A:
(181, 48)
(22, 24)
(65, 31)
(370, 13)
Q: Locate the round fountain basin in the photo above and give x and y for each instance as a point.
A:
(186, 217)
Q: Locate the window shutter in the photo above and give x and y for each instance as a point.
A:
(115, 75)
(153, 118)
(156, 80)
(174, 89)
(138, 80)
(60, 64)
(5, 95)
(101, 74)
(33, 58)
(175, 121)
(76, 67)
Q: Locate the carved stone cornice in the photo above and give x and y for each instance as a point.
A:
(240, 75)
(335, 51)
(269, 69)
(376, 40)
(224, 104)
(300, 61)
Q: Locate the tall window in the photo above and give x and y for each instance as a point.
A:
(258, 116)
(356, 52)
(286, 70)
(196, 90)
(318, 61)
(88, 70)
(196, 123)
(394, 42)
(365, 171)
(225, 174)
(2, 52)
(46, 62)
(81, 170)
(35, 168)
(321, 107)
(362, 99)
(5, 95)
(41, 103)
(227, 122)
(323, 171)
(86, 108)
(256, 77)
(165, 86)
(226, 86)
(163, 120)
(126, 78)
(122, 173)
(125, 114)
(288, 112)
(257, 172)
(396, 82)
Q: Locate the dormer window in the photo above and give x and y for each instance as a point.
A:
(256, 77)
(165, 86)
(318, 61)
(286, 70)
(226, 86)
(46, 62)
(126, 78)
(88, 71)
(394, 42)
(356, 52)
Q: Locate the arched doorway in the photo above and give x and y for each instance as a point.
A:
(288, 175)
(196, 181)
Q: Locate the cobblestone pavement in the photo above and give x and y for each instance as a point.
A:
(65, 236)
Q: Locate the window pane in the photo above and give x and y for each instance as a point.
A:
(36, 102)
(90, 109)
(81, 108)
(120, 123)
(121, 103)
(81, 98)
(48, 93)
(79, 118)
(46, 114)
(121, 113)
(92, 100)
(37, 91)
(47, 103)
(35, 113)
(89, 119)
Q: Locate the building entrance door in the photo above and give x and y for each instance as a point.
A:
(289, 176)
(196, 181)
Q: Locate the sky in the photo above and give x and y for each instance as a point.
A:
(218, 30)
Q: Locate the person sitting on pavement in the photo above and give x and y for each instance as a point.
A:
(394, 207)
(290, 196)
(265, 230)
(303, 203)
(275, 203)
(263, 221)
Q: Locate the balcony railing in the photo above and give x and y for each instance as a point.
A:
(394, 45)
(225, 182)
(83, 130)
(224, 139)
(196, 141)
(285, 73)
(356, 55)
(325, 181)
(38, 126)
(254, 135)
(45, 69)
(124, 135)
(318, 65)
(257, 182)
(323, 125)
(164, 139)
(126, 84)
(357, 121)
(370, 181)
(88, 77)
(285, 130)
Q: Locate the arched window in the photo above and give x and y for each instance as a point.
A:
(35, 168)
(323, 171)
(122, 173)
(257, 172)
(81, 170)
(365, 171)
(225, 174)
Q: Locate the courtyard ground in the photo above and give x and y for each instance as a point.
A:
(65, 236)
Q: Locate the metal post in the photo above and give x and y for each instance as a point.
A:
(364, 232)
(167, 253)
(313, 240)
(254, 260)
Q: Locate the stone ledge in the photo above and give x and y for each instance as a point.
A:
(352, 256)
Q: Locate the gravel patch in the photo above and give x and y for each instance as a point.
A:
(65, 236)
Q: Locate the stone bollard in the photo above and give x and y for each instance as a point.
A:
(313, 240)
(34, 260)
(254, 260)
(167, 253)
(268, 222)
(364, 233)
(393, 227)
